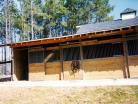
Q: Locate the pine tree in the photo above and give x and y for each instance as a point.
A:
(57, 17)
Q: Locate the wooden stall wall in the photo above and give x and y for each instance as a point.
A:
(38, 72)
(21, 64)
(68, 73)
(17, 65)
(103, 68)
(99, 62)
(100, 68)
(133, 66)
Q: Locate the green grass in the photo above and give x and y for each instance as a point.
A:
(135, 89)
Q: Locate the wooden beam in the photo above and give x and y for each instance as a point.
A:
(12, 65)
(36, 49)
(125, 58)
(81, 65)
(4, 45)
(12, 70)
(46, 60)
(4, 62)
(86, 43)
(61, 62)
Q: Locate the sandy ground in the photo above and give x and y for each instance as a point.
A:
(106, 91)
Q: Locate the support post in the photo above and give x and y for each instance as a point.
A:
(12, 71)
(14, 78)
(46, 60)
(125, 56)
(61, 62)
(81, 65)
(28, 58)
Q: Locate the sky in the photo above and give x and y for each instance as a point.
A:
(120, 5)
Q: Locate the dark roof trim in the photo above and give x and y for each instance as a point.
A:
(128, 10)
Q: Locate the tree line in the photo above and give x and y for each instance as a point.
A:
(34, 19)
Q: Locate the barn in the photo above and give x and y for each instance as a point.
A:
(104, 50)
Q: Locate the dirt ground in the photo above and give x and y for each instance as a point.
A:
(76, 95)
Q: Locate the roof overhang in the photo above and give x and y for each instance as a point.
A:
(74, 37)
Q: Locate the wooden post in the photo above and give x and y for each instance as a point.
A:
(12, 63)
(125, 56)
(61, 61)
(28, 63)
(14, 78)
(46, 60)
(81, 61)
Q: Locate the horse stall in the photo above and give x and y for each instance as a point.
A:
(101, 55)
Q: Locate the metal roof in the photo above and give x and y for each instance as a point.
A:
(108, 25)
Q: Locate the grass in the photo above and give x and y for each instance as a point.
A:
(88, 95)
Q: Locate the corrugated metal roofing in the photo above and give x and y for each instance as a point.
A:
(108, 25)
